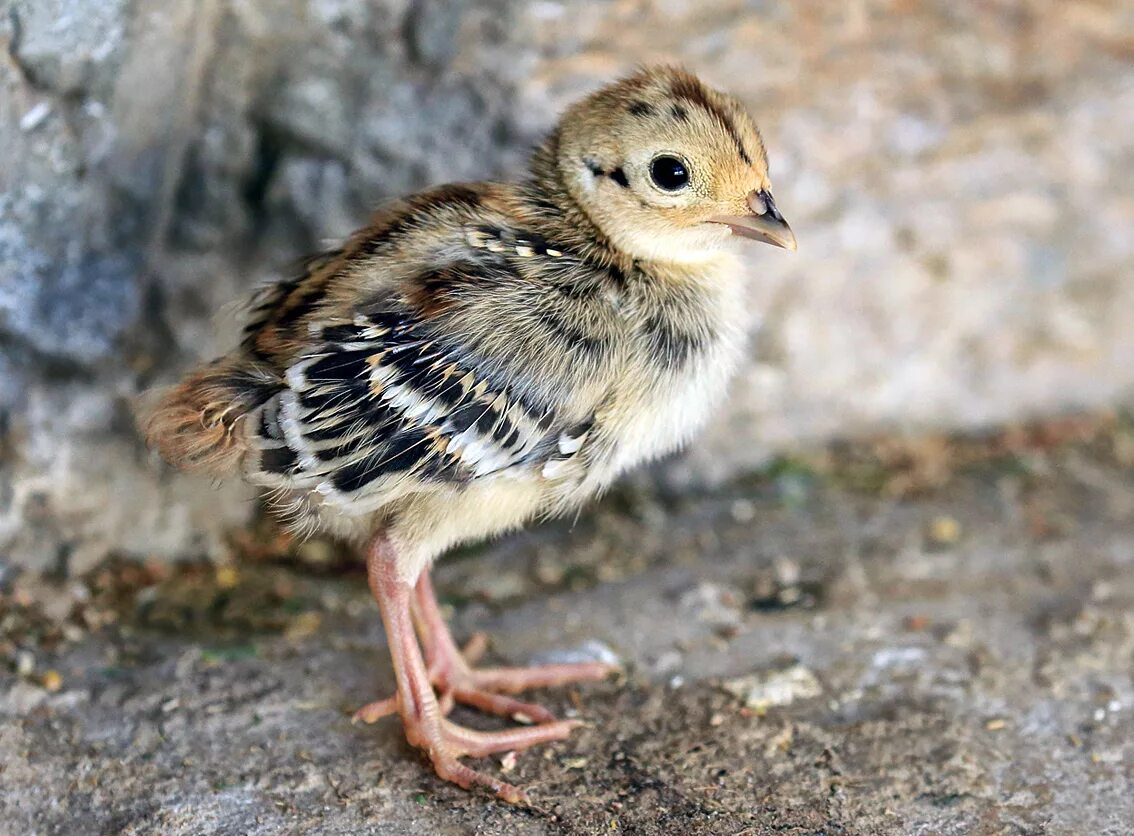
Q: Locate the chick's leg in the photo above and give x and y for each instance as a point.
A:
(425, 725)
(451, 672)
(487, 689)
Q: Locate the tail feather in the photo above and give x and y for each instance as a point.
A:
(197, 424)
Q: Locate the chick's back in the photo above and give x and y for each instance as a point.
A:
(446, 341)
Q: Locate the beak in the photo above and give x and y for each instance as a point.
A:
(764, 224)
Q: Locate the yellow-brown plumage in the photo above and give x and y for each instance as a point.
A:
(481, 354)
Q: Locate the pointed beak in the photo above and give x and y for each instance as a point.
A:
(765, 223)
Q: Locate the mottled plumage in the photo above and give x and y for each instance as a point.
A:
(482, 354)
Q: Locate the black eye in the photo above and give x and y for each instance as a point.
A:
(669, 173)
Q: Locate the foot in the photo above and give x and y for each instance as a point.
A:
(446, 742)
(423, 716)
(457, 682)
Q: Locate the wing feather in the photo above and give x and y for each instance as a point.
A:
(381, 402)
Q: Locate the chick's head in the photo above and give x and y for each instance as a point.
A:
(668, 168)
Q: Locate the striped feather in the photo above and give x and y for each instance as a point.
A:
(382, 402)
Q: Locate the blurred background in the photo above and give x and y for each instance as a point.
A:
(961, 177)
(889, 591)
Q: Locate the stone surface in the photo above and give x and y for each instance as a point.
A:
(801, 658)
(959, 177)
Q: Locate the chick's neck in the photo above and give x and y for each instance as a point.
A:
(557, 215)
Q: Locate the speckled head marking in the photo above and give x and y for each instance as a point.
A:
(687, 87)
(666, 167)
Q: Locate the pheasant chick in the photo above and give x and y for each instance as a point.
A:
(484, 354)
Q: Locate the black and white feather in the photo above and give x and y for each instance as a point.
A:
(383, 404)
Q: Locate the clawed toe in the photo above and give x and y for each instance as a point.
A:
(478, 744)
(515, 680)
(375, 711)
(448, 768)
(502, 705)
(458, 741)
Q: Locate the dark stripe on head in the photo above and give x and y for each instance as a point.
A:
(688, 88)
(638, 81)
(615, 174)
(543, 206)
(617, 275)
(640, 108)
(379, 237)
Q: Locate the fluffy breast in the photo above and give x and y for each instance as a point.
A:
(687, 341)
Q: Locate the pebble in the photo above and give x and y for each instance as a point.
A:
(52, 681)
(227, 577)
(591, 651)
(23, 697)
(25, 662)
(944, 530)
(743, 510)
(35, 117)
(774, 688)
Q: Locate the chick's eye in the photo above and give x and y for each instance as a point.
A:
(669, 173)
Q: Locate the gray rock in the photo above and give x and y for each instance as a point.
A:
(959, 180)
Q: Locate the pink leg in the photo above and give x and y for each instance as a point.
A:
(425, 725)
(450, 671)
(456, 681)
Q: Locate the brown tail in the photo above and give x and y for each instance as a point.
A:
(197, 424)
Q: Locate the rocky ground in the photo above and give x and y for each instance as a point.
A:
(929, 637)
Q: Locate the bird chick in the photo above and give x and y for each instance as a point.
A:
(484, 354)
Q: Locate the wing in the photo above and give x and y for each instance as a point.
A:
(384, 403)
(276, 310)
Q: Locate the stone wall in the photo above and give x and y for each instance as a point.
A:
(960, 177)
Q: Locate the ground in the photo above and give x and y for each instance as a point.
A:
(901, 637)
